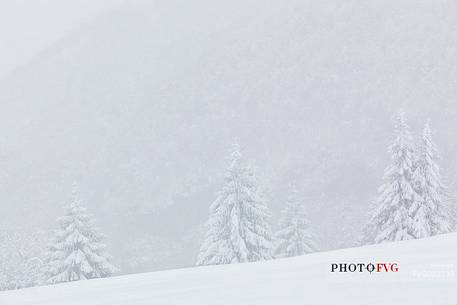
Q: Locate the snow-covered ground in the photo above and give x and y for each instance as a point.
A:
(427, 275)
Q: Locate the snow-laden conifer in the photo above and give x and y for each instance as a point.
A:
(238, 228)
(392, 220)
(429, 211)
(21, 258)
(294, 236)
(77, 251)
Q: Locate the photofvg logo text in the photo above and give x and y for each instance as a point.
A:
(364, 267)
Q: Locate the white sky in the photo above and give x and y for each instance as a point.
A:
(28, 26)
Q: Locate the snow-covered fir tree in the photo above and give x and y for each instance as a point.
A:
(430, 215)
(393, 220)
(369, 231)
(77, 251)
(21, 258)
(238, 228)
(294, 236)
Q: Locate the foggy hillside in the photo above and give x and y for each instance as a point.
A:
(419, 277)
(141, 105)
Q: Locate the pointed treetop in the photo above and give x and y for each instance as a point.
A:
(75, 200)
(235, 155)
(402, 135)
(400, 115)
(293, 192)
(236, 150)
(74, 188)
(427, 132)
(401, 121)
(428, 146)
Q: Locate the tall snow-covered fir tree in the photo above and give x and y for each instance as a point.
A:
(294, 236)
(430, 215)
(393, 220)
(77, 251)
(238, 228)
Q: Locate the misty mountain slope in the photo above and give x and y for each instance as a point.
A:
(426, 275)
(142, 104)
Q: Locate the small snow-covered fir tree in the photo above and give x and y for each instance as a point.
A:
(77, 251)
(238, 228)
(369, 231)
(294, 236)
(392, 220)
(429, 211)
(20, 258)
